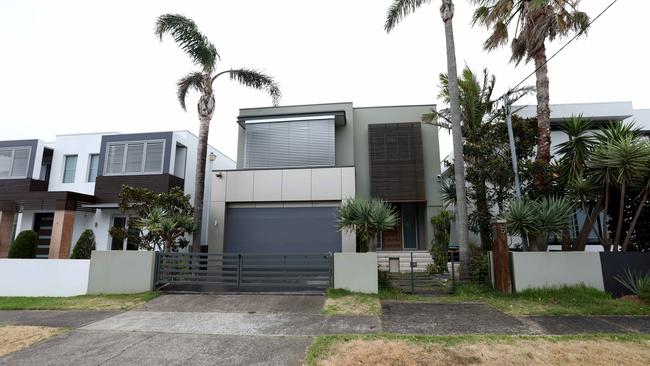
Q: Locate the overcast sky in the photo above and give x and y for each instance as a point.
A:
(90, 66)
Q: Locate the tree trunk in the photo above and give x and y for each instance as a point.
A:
(630, 231)
(581, 240)
(543, 119)
(619, 222)
(483, 213)
(447, 14)
(606, 244)
(205, 108)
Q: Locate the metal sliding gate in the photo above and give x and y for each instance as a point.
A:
(215, 272)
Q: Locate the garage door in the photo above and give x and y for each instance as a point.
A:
(281, 230)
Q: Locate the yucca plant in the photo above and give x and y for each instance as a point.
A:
(367, 218)
(171, 227)
(539, 219)
(637, 282)
(204, 55)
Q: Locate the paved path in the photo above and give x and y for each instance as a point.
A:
(456, 319)
(53, 318)
(143, 348)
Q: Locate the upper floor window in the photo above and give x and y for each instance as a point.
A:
(93, 166)
(14, 162)
(137, 157)
(294, 142)
(69, 168)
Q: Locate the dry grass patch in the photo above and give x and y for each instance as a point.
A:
(511, 351)
(340, 302)
(14, 338)
(84, 302)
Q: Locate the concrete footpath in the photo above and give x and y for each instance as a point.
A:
(262, 329)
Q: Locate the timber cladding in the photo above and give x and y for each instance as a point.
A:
(396, 161)
(108, 187)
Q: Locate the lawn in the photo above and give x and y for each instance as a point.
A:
(84, 302)
(342, 302)
(574, 300)
(14, 337)
(387, 349)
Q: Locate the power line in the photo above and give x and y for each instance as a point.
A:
(562, 48)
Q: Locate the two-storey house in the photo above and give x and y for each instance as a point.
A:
(62, 188)
(295, 165)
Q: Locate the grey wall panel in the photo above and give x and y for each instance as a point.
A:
(281, 230)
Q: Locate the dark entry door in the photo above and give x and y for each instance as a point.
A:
(43, 228)
(282, 230)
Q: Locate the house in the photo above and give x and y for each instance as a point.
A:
(296, 164)
(62, 188)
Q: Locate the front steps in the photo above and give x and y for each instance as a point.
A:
(402, 260)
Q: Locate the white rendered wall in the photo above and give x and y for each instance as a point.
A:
(356, 272)
(555, 269)
(81, 145)
(43, 277)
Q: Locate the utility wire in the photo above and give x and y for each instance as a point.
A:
(561, 48)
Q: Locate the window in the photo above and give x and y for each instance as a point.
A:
(143, 157)
(14, 162)
(309, 142)
(93, 165)
(69, 168)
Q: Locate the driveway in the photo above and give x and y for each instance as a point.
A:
(219, 330)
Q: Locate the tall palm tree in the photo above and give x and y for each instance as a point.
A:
(204, 54)
(535, 21)
(397, 11)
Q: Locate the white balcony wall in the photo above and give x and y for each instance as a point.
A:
(82, 145)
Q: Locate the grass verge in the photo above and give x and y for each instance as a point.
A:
(84, 302)
(343, 302)
(570, 300)
(14, 338)
(390, 349)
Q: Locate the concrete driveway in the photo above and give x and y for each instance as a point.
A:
(199, 330)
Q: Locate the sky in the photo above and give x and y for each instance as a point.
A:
(94, 66)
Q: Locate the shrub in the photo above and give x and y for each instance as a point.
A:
(478, 265)
(636, 282)
(84, 246)
(25, 245)
(384, 279)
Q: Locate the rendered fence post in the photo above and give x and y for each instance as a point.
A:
(501, 258)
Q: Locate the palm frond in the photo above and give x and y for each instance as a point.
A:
(257, 80)
(185, 32)
(399, 9)
(192, 80)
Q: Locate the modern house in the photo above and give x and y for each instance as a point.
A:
(62, 188)
(295, 165)
(598, 113)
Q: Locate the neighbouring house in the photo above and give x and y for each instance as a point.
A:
(295, 164)
(598, 113)
(61, 188)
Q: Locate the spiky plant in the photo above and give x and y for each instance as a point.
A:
(204, 55)
(533, 22)
(538, 219)
(170, 226)
(636, 282)
(367, 218)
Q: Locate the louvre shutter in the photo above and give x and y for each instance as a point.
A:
(115, 158)
(134, 155)
(290, 144)
(21, 160)
(5, 162)
(154, 157)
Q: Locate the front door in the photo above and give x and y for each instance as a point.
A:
(43, 228)
(410, 226)
(120, 223)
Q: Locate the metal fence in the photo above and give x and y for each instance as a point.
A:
(424, 282)
(244, 271)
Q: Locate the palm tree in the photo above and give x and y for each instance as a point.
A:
(204, 54)
(539, 219)
(397, 11)
(536, 20)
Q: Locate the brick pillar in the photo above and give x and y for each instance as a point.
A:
(7, 215)
(62, 227)
(501, 257)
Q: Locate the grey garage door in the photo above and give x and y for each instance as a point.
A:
(281, 230)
